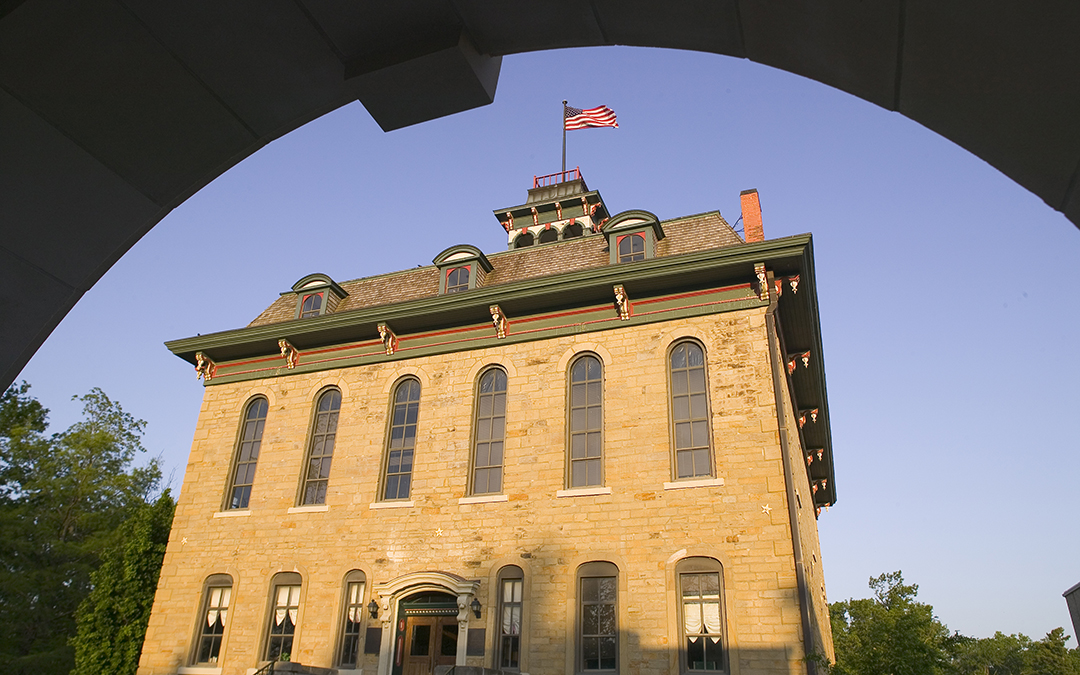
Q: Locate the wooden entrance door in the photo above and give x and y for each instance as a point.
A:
(429, 641)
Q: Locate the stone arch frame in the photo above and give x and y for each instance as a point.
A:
(568, 430)
(389, 595)
(494, 574)
(230, 476)
(670, 343)
(477, 374)
(205, 585)
(384, 457)
(321, 390)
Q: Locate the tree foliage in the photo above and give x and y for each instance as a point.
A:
(893, 634)
(112, 620)
(62, 497)
(889, 634)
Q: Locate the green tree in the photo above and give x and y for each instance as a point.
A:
(998, 655)
(111, 621)
(61, 499)
(889, 634)
(1050, 656)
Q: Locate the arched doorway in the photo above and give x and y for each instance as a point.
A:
(426, 634)
(425, 620)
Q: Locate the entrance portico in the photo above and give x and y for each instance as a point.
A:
(416, 611)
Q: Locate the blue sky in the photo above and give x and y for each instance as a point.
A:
(947, 292)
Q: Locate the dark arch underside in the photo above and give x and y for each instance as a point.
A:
(114, 112)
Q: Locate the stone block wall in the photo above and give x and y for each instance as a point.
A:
(641, 525)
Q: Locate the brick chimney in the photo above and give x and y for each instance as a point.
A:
(751, 216)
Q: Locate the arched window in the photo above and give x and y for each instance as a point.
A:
(690, 411)
(457, 280)
(489, 432)
(572, 230)
(524, 239)
(311, 305)
(321, 450)
(352, 622)
(217, 593)
(401, 442)
(598, 617)
(631, 248)
(548, 236)
(586, 422)
(247, 453)
(511, 591)
(701, 614)
(284, 612)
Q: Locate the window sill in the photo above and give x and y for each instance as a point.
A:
(237, 513)
(315, 508)
(198, 670)
(694, 483)
(484, 499)
(391, 505)
(583, 492)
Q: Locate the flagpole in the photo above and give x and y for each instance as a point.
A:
(564, 139)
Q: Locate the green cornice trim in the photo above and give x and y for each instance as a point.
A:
(658, 272)
(720, 300)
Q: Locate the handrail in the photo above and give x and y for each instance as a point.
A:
(268, 669)
(556, 178)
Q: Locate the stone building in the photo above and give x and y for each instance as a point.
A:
(602, 450)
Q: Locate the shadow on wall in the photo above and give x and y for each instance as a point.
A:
(635, 660)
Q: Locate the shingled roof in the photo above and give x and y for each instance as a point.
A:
(683, 235)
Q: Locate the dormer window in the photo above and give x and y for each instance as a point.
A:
(631, 247)
(632, 236)
(316, 295)
(461, 268)
(311, 305)
(457, 279)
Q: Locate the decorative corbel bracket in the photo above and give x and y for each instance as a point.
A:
(289, 352)
(794, 282)
(558, 211)
(205, 368)
(498, 320)
(508, 224)
(803, 414)
(622, 303)
(795, 358)
(778, 286)
(762, 281)
(389, 339)
(536, 217)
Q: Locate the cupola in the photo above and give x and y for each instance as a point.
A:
(560, 206)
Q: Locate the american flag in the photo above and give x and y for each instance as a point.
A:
(575, 118)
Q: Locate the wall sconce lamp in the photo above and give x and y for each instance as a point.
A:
(373, 609)
(475, 607)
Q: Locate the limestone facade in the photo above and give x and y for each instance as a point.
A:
(648, 526)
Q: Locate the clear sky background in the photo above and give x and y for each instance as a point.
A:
(948, 293)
